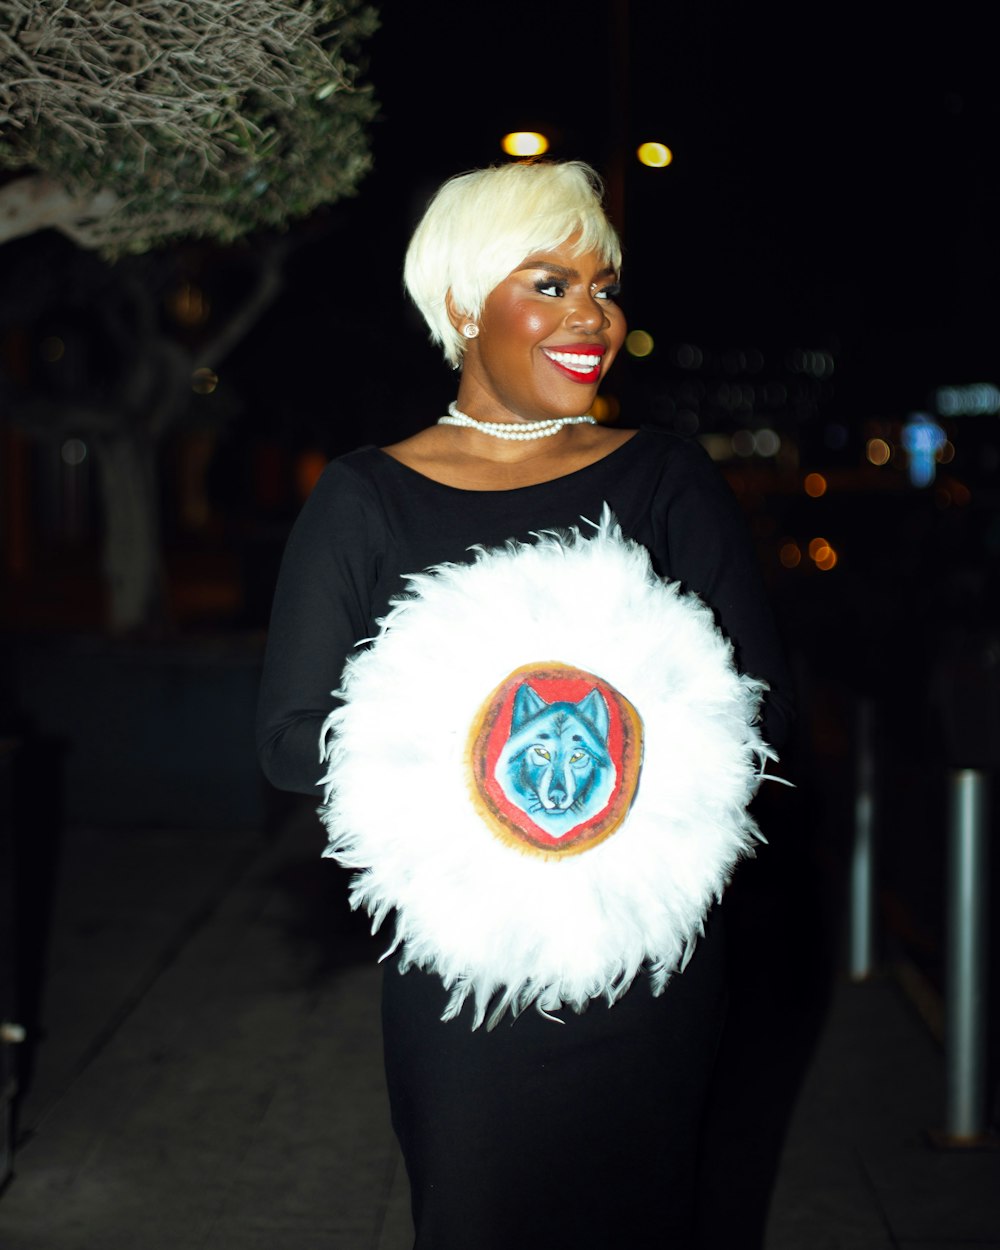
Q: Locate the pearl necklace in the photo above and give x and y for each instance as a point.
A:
(513, 429)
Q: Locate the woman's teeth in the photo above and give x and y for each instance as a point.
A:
(579, 363)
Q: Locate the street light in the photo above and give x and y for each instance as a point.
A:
(524, 143)
(655, 155)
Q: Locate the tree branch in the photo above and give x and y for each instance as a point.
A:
(37, 202)
(268, 284)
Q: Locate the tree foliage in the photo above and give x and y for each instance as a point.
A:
(205, 118)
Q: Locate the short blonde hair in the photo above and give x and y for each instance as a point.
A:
(479, 226)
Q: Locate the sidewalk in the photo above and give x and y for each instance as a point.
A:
(857, 1172)
(236, 1100)
(211, 1079)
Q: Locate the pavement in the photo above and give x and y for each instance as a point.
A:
(206, 1071)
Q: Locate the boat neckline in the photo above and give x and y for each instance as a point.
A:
(511, 490)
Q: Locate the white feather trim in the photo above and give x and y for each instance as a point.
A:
(512, 928)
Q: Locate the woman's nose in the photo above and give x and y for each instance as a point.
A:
(588, 316)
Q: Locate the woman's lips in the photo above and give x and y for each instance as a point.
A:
(581, 364)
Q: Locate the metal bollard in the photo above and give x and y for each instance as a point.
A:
(966, 989)
(861, 955)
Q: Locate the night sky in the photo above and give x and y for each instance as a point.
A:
(835, 185)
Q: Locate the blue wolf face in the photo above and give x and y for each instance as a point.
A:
(555, 765)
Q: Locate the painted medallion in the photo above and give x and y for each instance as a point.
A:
(554, 759)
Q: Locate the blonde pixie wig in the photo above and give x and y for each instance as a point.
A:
(479, 227)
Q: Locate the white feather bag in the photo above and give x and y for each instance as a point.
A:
(542, 765)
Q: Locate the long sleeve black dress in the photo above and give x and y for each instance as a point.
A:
(576, 1134)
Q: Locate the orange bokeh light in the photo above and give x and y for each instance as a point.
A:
(822, 554)
(814, 485)
(878, 451)
(308, 469)
(790, 555)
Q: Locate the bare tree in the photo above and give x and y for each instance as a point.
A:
(145, 122)
(128, 125)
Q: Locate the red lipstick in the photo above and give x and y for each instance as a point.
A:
(578, 362)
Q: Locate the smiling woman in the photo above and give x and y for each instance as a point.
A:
(547, 335)
(539, 757)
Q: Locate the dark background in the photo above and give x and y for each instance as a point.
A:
(821, 255)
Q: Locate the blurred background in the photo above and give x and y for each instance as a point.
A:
(809, 199)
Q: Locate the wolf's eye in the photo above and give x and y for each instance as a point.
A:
(577, 756)
(542, 753)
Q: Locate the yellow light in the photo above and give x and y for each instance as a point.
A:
(655, 155)
(638, 343)
(605, 408)
(815, 485)
(524, 143)
(878, 451)
(790, 555)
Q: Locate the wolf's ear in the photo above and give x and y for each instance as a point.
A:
(527, 703)
(595, 708)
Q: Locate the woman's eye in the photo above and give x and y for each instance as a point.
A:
(550, 287)
(611, 292)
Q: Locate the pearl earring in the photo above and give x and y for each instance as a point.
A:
(470, 330)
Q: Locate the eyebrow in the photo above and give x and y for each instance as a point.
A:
(562, 271)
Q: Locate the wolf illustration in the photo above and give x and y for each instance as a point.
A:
(555, 764)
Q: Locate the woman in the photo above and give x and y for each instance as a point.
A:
(582, 1133)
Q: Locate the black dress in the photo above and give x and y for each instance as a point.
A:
(580, 1134)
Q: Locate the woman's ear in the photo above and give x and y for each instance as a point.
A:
(456, 316)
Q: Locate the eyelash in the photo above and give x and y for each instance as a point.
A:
(610, 292)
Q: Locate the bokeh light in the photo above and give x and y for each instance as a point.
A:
(814, 485)
(686, 422)
(53, 348)
(188, 305)
(639, 343)
(309, 468)
(689, 356)
(605, 408)
(790, 555)
(825, 558)
(975, 399)
(655, 155)
(743, 443)
(524, 143)
(959, 492)
(878, 451)
(73, 452)
(204, 381)
(822, 554)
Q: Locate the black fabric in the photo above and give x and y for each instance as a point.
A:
(370, 521)
(581, 1134)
